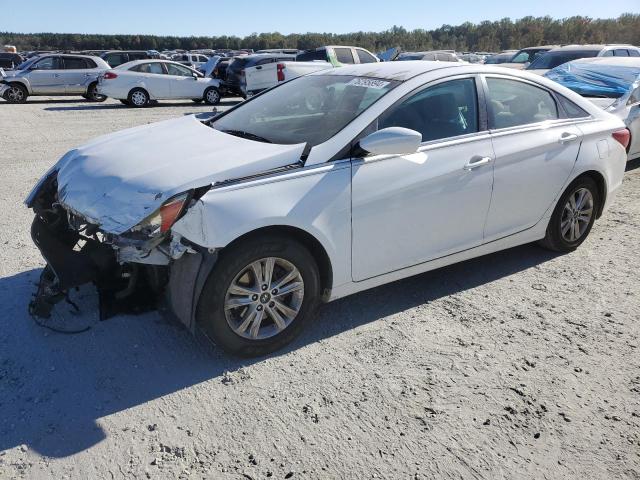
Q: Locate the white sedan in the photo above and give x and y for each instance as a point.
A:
(139, 83)
(322, 187)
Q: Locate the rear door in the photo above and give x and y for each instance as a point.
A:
(182, 82)
(535, 152)
(155, 78)
(77, 74)
(45, 76)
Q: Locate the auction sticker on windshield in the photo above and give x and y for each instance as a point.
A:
(368, 82)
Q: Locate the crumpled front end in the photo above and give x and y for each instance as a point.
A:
(129, 270)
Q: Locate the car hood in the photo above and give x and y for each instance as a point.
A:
(118, 180)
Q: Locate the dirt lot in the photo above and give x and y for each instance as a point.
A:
(522, 364)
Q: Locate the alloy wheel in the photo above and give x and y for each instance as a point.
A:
(576, 215)
(139, 98)
(213, 96)
(15, 94)
(264, 298)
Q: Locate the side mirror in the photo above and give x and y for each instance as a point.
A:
(392, 141)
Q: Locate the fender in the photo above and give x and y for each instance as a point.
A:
(316, 200)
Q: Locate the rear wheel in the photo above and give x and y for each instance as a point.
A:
(259, 296)
(93, 95)
(138, 97)
(573, 216)
(16, 93)
(211, 96)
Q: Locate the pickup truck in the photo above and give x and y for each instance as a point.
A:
(262, 77)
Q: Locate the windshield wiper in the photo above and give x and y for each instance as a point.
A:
(247, 135)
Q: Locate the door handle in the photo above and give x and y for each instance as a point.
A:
(259, 67)
(476, 162)
(567, 137)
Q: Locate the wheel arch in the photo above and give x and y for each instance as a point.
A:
(601, 184)
(23, 83)
(309, 241)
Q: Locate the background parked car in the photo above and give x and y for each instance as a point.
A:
(10, 60)
(435, 55)
(560, 55)
(612, 83)
(140, 82)
(55, 75)
(338, 55)
(499, 58)
(191, 60)
(522, 58)
(117, 57)
(235, 81)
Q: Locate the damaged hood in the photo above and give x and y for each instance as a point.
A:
(118, 180)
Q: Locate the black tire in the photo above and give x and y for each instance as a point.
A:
(210, 313)
(125, 102)
(16, 94)
(196, 100)
(555, 239)
(212, 96)
(93, 95)
(139, 98)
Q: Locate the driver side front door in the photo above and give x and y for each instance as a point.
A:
(411, 209)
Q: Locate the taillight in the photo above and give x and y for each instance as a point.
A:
(169, 212)
(280, 67)
(622, 136)
(110, 76)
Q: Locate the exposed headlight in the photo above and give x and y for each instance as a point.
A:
(163, 219)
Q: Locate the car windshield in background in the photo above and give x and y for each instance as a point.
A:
(553, 59)
(310, 109)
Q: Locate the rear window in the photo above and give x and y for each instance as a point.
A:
(365, 57)
(238, 63)
(553, 59)
(312, 55)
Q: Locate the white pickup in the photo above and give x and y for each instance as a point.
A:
(262, 77)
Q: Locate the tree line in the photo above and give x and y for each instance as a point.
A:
(486, 36)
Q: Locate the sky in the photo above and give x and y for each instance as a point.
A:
(241, 18)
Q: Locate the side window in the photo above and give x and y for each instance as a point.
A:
(48, 63)
(445, 110)
(137, 56)
(572, 110)
(74, 63)
(155, 68)
(264, 61)
(620, 52)
(513, 103)
(633, 53)
(178, 70)
(522, 57)
(116, 59)
(608, 53)
(344, 55)
(365, 57)
(90, 63)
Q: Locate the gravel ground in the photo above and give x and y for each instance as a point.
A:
(521, 364)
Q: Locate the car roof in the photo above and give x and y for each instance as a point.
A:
(592, 47)
(390, 70)
(550, 47)
(613, 61)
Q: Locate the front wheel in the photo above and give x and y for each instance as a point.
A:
(16, 94)
(259, 295)
(211, 96)
(573, 216)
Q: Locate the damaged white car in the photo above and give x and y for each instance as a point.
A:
(324, 186)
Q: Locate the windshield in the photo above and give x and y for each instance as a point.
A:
(309, 109)
(553, 59)
(24, 65)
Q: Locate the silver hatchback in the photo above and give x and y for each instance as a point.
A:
(57, 74)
